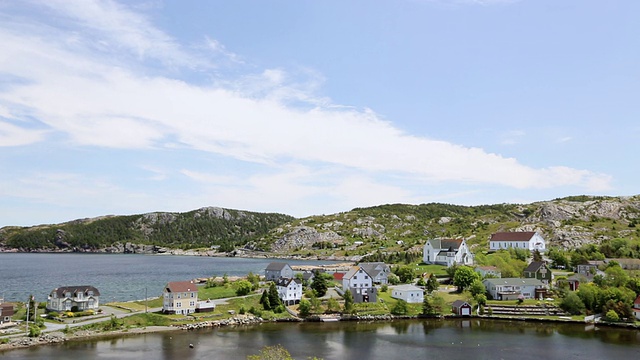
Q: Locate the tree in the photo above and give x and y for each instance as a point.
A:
(320, 284)
(315, 304)
(481, 299)
(393, 279)
(332, 305)
(274, 297)
(406, 274)
(616, 276)
(427, 307)
(572, 304)
(254, 280)
(243, 287)
(464, 277)
(536, 255)
(304, 308)
(432, 284)
(264, 300)
(400, 308)
(348, 302)
(611, 316)
(477, 288)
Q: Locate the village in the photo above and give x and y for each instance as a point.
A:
(448, 282)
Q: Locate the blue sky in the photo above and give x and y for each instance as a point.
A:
(313, 107)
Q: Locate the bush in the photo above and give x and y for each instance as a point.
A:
(384, 288)
(34, 331)
(242, 310)
(53, 315)
(612, 316)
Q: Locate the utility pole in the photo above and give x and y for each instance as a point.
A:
(28, 306)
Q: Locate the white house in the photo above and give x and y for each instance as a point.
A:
(408, 293)
(528, 240)
(379, 271)
(513, 288)
(276, 270)
(67, 298)
(447, 252)
(360, 283)
(289, 290)
(636, 307)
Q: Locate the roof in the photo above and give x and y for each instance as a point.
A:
(460, 303)
(487, 268)
(75, 289)
(276, 266)
(286, 281)
(637, 301)
(535, 266)
(515, 281)
(181, 286)
(446, 244)
(353, 271)
(373, 268)
(513, 236)
(7, 309)
(338, 275)
(407, 287)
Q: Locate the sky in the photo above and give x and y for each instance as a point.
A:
(313, 107)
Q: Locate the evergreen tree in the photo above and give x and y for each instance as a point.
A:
(432, 284)
(264, 300)
(348, 302)
(274, 298)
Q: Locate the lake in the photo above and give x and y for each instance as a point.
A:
(119, 277)
(405, 339)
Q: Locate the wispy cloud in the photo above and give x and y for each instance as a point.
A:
(89, 99)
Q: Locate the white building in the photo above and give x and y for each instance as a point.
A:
(408, 293)
(67, 298)
(289, 290)
(379, 271)
(179, 297)
(447, 252)
(360, 283)
(513, 288)
(528, 240)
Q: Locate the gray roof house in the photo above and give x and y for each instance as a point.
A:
(378, 271)
(276, 270)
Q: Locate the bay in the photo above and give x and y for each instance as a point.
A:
(454, 339)
(118, 277)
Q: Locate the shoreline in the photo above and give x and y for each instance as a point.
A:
(58, 337)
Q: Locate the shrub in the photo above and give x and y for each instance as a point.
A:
(612, 316)
(384, 288)
(34, 331)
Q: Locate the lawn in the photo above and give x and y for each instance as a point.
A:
(437, 270)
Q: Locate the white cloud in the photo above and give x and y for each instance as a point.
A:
(11, 135)
(95, 101)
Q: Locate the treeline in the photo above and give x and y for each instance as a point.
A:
(179, 230)
(614, 248)
(397, 257)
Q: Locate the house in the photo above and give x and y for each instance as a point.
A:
(6, 312)
(636, 307)
(408, 293)
(179, 297)
(379, 271)
(360, 283)
(73, 298)
(591, 268)
(575, 280)
(307, 276)
(539, 270)
(289, 290)
(276, 270)
(488, 271)
(447, 252)
(512, 288)
(529, 240)
(461, 308)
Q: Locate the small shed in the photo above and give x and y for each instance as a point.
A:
(461, 308)
(205, 306)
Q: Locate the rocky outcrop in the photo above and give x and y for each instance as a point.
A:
(304, 237)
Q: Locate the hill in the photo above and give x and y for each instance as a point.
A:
(569, 222)
(206, 227)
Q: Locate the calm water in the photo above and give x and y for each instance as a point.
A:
(416, 339)
(119, 277)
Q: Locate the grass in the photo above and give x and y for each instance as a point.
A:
(437, 270)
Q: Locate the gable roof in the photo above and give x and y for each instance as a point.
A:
(373, 268)
(74, 290)
(353, 271)
(446, 244)
(637, 301)
(460, 303)
(276, 266)
(338, 275)
(535, 266)
(7, 309)
(286, 281)
(512, 236)
(181, 286)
